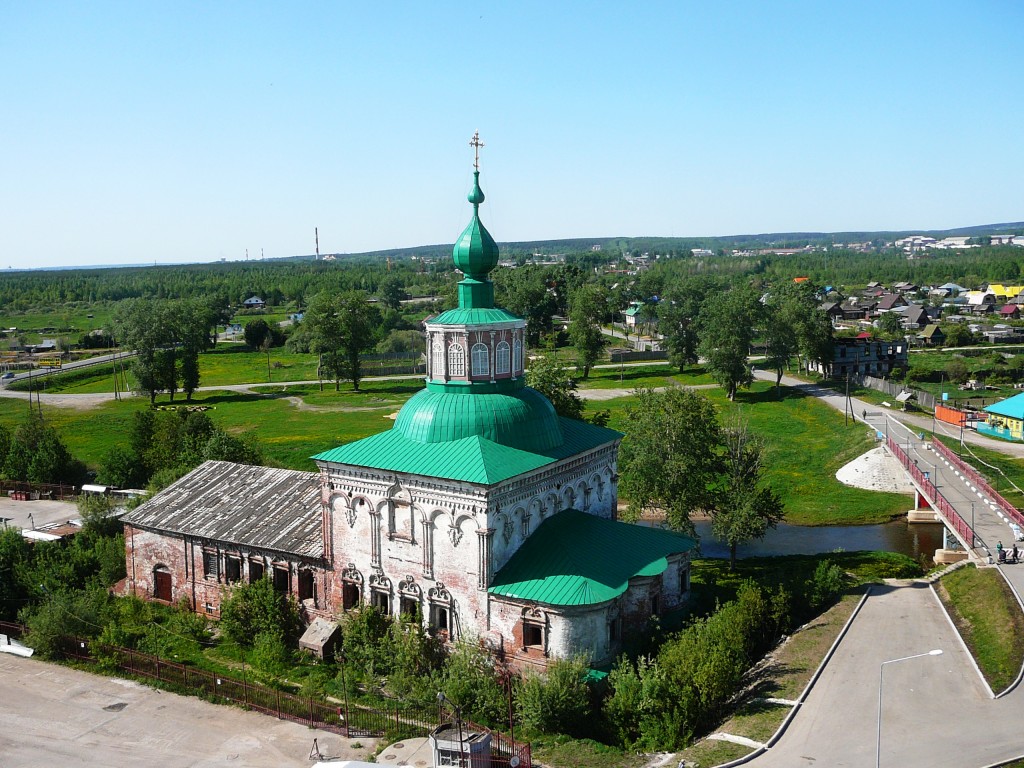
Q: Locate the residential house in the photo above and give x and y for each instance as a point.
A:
(890, 301)
(1009, 312)
(932, 335)
(865, 356)
(254, 302)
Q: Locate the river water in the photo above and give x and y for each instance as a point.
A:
(896, 536)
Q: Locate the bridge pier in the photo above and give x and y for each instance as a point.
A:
(922, 511)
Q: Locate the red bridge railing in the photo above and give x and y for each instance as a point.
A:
(975, 477)
(937, 500)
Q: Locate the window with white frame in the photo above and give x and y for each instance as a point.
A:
(456, 360)
(517, 356)
(481, 363)
(437, 358)
(502, 358)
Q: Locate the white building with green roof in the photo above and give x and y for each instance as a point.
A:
(481, 510)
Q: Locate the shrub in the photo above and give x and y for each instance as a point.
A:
(270, 657)
(558, 702)
(250, 610)
(470, 678)
(825, 586)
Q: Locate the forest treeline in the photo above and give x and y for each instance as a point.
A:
(291, 283)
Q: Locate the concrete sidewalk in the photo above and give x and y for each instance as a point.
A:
(936, 711)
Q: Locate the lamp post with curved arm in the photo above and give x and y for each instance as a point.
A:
(881, 668)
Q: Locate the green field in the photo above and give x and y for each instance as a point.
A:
(70, 321)
(806, 440)
(806, 444)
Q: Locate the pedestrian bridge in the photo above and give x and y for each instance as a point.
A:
(975, 515)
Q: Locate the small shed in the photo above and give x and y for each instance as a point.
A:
(320, 637)
(459, 743)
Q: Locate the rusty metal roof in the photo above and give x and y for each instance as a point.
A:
(277, 509)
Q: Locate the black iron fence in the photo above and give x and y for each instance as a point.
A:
(344, 718)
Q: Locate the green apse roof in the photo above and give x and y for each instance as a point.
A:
(596, 567)
(472, 459)
(1012, 407)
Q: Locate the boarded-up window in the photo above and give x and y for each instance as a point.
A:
(210, 569)
(306, 585)
(533, 634)
(281, 579)
(350, 595)
(162, 583)
(381, 601)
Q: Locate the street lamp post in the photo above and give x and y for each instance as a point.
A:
(881, 668)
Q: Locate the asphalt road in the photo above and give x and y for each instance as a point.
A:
(55, 716)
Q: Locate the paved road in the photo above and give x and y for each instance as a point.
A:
(937, 712)
(56, 716)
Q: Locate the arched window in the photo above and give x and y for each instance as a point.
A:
(517, 357)
(456, 360)
(437, 358)
(501, 360)
(481, 364)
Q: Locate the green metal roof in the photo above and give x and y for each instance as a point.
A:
(473, 459)
(632, 311)
(523, 419)
(596, 567)
(1012, 407)
(475, 316)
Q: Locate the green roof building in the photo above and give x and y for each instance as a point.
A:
(485, 510)
(480, 510)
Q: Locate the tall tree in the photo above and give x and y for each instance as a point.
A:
(678, 317)
(587, 310)
(358, 322)
(745, 508)
(670, 456)
(726, 329)
(391, 291)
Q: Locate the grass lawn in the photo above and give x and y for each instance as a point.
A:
(806, 444)
(566, 752)
(989, 619)
(633, 377)
(72, 321)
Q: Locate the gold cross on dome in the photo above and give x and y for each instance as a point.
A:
(475, 143)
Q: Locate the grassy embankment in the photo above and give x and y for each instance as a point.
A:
(990, 621)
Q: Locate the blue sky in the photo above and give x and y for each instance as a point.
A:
(165, 132)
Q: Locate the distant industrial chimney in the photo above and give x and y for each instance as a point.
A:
(316, 235)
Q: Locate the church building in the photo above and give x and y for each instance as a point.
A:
(481, 511)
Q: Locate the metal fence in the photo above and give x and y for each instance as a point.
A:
(347, 719)
(975, 477)
(892, 388)
(939, 502)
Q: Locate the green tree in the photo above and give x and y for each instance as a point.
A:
(558, 702)
(745, 508)
(256, 333)
(358, 322)
(38, 455)
(586, 312)
(669, 459)
(252, 610)
(391, 292)
(15, 553)
(958, 335)
(890, 325)
(678, 317)
(726, 330)
(525, 293)
(553, 380)
(957, 371)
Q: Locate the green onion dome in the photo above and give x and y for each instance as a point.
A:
(475, 252)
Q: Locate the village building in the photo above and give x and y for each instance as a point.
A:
(482, 512)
